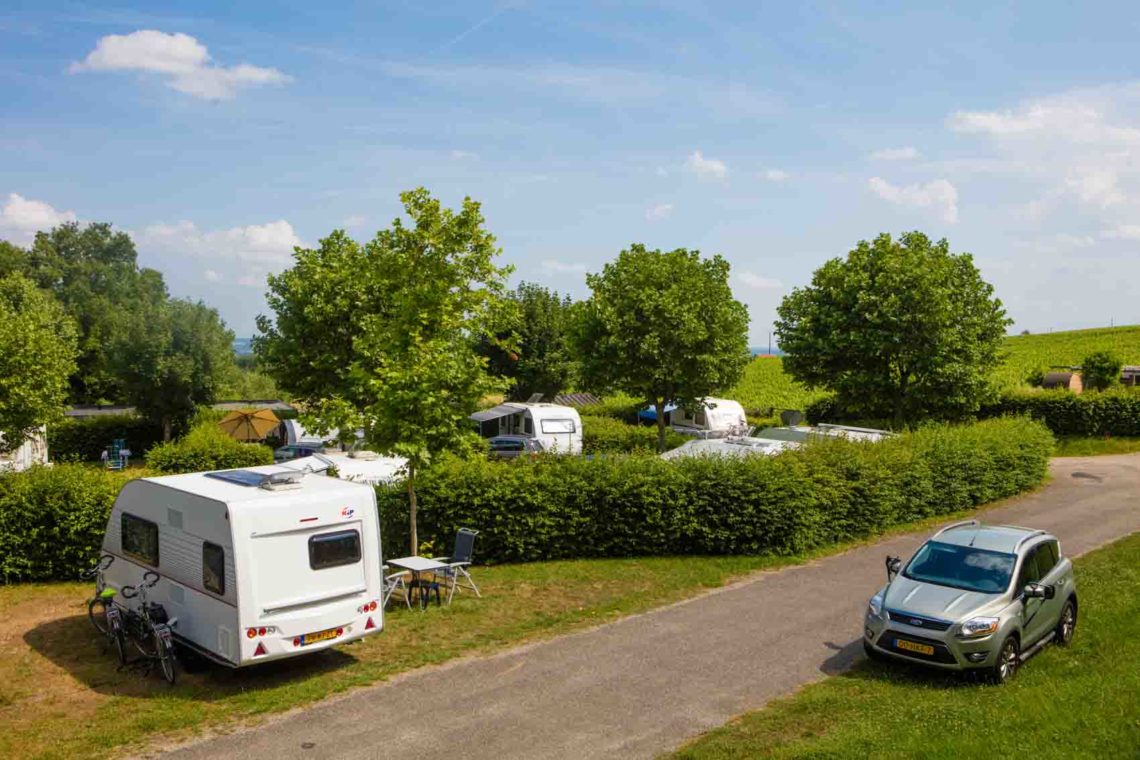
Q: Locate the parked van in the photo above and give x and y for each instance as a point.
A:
(719, 418)
(558, 428)
(256, 564)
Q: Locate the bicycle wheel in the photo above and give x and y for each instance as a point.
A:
(144, 641)
(97, 611)
(120, 643)
(166, 658)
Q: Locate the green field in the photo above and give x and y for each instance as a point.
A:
(1082, 701)
(765, 386)
(1026, 353)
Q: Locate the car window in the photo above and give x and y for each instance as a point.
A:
(963, 567)
(507, 446)
(1046, 558)
(1030, 573)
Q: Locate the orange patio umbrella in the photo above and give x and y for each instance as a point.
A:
(252, 425)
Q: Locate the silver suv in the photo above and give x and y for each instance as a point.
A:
(974, 597)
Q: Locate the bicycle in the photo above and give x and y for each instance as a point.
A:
(102, 610)
(149, 628)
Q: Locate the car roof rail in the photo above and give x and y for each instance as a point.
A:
(959, 524)
(1025, 538)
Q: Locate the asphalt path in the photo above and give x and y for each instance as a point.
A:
(645, 684)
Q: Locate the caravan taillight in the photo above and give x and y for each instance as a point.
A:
(297, 641)
(372, 606)
(260, 631)
(250, 633)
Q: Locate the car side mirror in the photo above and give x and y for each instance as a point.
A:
(893, 565)
(1038, 591)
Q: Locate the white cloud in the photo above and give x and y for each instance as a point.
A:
(212, 276)
(776, 175)
(181, 59)
(556, 266)
(706, 168)
(21, 218)
(758, 282)
(256, 249)
(895, 154)
(464, 155)
(938, 194)
(659, 212)
(1122, 232)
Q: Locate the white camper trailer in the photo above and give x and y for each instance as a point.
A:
(719, 418)
(557, 427)
(256, 564)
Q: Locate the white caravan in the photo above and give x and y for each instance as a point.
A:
(719, 418)
(557, 427)
(256, 564)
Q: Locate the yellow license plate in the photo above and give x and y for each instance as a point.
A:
(910, 646)
(313, 638)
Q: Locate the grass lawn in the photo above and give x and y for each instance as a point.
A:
(1083, 701)
(1080, 446)
(59, 692)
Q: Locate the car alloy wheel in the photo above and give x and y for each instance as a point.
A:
(1067, 624)
(1007, 661)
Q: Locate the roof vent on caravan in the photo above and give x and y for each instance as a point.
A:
(270, 481)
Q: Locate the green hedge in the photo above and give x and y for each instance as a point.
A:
(52, 520)
(1115, 413)
(568, 507)
(206, 448)
(84, 439)
(607, 435)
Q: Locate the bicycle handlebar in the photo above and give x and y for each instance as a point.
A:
(104, 562)
(150, 578)
(128, 592)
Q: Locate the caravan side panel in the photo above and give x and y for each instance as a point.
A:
(194, 543)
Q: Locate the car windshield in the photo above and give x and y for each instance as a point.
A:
(961, 567)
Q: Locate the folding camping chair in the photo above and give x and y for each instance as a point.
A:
(458, 563)
(393, 582)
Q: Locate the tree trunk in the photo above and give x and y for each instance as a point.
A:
(167, 429)
(659, 406)
(900, 402)
(414, 537)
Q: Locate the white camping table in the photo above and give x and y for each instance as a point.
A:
(416, 566)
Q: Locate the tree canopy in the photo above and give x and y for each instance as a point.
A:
(170, 358)
(383, 336)
(37, 355)
(538, 358)
(1101, 370)
(662, 326)
(899, 329)
(93, 272)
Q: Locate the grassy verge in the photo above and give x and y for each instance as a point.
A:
(1081, 701)
(59, 692)
(1083, 446)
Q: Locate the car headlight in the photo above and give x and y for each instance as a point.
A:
(979, 626)
(875, 606)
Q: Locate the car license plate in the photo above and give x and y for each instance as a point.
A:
(313, 638)
(911, 646)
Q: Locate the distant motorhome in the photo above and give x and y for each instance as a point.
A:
(255, 565)
(715, 418)
(558, 428)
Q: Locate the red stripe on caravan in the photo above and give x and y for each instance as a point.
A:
(309, 519)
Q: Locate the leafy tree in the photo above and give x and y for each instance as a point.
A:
(662, 327)
(37, 355)
(93, 271)
(901, 329)
(539, 359)
(383, 336)
(1100, 370)
(171, 358)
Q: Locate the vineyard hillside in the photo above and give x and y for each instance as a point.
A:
(1026, 353)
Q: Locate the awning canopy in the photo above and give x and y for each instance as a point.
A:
(495, 412)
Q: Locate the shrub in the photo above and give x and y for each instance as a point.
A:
(607, 435)
(1100, 370)
(620, 406)
(84, 439)
(206, 447)
(52, 520)
(1115, 413)
(564, 507)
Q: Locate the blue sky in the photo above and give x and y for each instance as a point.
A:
(778, 135)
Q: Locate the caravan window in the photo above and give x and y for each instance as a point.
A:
(139, 539)
(214, 568)
(334, 549)
(558, 426)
